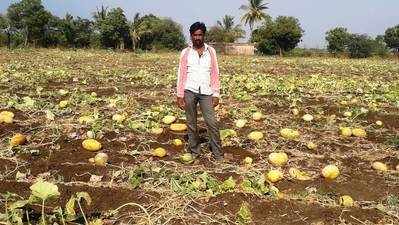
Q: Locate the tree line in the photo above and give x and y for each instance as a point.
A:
(28, 23)
(341, 41)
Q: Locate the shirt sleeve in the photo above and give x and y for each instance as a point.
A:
(215, 77)
(179, 84)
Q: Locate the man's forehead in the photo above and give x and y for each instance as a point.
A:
(198, 32)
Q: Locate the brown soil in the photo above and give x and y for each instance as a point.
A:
(286, 212)
(101, 92)
(357, 179)
(103, 198)
(9, 129)
(71, 163)
(237, 155)
(7, 168)
(390, 121)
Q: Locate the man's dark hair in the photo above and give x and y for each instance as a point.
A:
(197, 26)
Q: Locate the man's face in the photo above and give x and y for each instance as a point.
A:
(198, 38)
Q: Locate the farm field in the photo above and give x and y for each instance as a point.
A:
(343, 112)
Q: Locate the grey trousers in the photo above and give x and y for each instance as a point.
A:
(205, 101)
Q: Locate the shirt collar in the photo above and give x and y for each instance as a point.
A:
(206, 46)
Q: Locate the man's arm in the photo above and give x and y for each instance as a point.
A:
(180, 81)
(215, 81)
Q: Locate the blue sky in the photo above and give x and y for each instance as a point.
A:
(315, 16)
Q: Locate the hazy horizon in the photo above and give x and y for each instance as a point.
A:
(316, 17)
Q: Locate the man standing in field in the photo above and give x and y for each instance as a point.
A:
(198, 83)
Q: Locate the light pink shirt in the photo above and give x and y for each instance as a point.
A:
(198, 74)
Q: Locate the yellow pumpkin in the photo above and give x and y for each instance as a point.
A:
(307, 117)
(330, 172)
(348, 114)
(63, 104)
(178, 127)
(159, 152)
(278, 158)
(255, 135)
(289, 134)
(248, 161)
(6, 117)
(157, 131)
(380, 166)
(186, 158)
(240, 123)
(18, 139)
(358, 132)
(177, 142)
(101, 159)
(346, 201)
(169, 119)
(119, 118)
(274, 176)
(257, 116)
(346, 131)
(91, 145)
(310, 145)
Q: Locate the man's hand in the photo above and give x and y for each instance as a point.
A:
(215, 101)
(180, 103)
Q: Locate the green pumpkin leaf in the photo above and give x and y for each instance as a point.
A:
(44, 190)
(244, 215)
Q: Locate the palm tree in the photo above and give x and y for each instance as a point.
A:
(225, 31)
(227, 23)
(254, 12)
(100, 15)
(134, 30)
(229, 30)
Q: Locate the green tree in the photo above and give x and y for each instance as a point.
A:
(6, 32)
(160, 33)
(83, 32)
(337, 40)
(3, 22)
(380, 48)
(287, 33)
(76, 32)
(52, 32)
(360, 46)
(254, 12)
(267, 47)
(100, 14)
(278, 36)
(136, 30)
(225, 31)
(30, 18)
(68, 29)
(3, 30)
(113, 27)
(392, 38)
